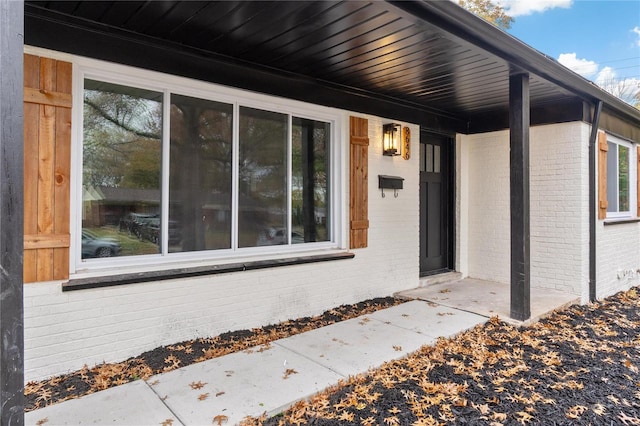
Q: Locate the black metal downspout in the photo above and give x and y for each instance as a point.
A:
(593, 207)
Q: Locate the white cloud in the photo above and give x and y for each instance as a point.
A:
(606, 75)
(626, 89)
(527, 7)
(606, 78)
(637, 31)
(583, 67)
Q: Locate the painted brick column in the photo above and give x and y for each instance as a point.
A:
(11, 213)
(519, 196)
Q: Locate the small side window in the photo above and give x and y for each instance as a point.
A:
(620, 179)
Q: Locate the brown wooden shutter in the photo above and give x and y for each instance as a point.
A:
(602, 175)
(47, 168)
(359, 180)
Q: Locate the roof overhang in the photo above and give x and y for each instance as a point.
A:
(432, 63)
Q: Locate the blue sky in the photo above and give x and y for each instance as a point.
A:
(599, 39)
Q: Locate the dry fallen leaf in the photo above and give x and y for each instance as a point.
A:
(42, 421)
(220, 419)
(576, 411)
(203, 396)
(346, 416)
(288, 372)
(391, 421)
(167, 422)
(599, 409)
(197, 385)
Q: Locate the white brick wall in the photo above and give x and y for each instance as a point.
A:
(618, 258)
(618, 251)
(488, 205)
(559, 206)
(64, 331)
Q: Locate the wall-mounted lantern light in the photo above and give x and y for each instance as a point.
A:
(391, 139)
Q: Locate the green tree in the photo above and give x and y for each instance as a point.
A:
(489, 11)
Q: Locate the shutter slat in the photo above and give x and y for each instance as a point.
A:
(359, 181)
(359, 224)
(43, 97)
(49, 241)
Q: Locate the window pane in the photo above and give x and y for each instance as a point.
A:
(309, 180)
(612, 177)
(429, 158)
(422, 157)
(623, 178)
(200, 175)
(436, 158)
(262, 184)
(122, 138)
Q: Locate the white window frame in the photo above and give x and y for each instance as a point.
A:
(85, 68)
(633, 161)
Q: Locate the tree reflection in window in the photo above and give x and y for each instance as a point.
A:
(200, 174)
(262, 185)
(309, 194)
(122, 148)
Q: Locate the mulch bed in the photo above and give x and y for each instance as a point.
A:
(167, 358)
(578, 366)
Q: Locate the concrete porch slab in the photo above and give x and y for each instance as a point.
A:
(131, 404)
(249, 383)
(429, 319)
(488, 298)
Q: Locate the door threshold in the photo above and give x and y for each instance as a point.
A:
(435, 272)
(439, 277)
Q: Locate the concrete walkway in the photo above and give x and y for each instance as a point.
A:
(264, 379)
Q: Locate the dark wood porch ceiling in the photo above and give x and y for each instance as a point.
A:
(376, 49)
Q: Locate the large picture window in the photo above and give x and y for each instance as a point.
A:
(168, 174)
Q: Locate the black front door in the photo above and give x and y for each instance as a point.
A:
(436, 202)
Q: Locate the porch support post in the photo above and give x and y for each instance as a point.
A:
(11, 212)
(519, 197)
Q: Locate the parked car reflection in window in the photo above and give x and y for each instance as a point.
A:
(94, 246)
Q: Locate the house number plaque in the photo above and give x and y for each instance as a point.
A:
(406, 143)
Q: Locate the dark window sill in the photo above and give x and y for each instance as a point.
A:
(170, 274)
(615, 221)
